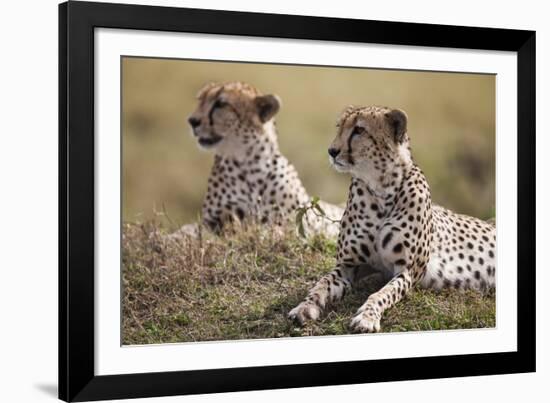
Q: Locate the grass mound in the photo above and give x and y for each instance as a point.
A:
(242, 285)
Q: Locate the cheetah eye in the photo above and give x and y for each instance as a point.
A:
(219, 104)
(357, 130)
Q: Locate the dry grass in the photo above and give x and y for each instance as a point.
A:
(242, 285)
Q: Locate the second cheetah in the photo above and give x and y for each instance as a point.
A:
(250, 176)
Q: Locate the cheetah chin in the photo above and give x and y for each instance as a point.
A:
(210, 142)
(339, 166)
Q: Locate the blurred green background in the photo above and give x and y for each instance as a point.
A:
(451, 126)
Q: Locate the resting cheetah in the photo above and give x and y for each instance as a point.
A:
(391, 226)
(250, 176)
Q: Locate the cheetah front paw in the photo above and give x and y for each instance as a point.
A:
(307, 310)
(365, 322)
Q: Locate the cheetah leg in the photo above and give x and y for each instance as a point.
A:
(329, 288)
(367, 318)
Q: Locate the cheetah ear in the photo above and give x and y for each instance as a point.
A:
(267, 106)
(205, 88)
(397, 121)
(345, 113)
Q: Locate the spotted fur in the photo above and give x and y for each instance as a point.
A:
(390, 225)
(250, 176)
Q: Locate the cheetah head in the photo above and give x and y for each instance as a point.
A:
(369, 142)
(228, 116)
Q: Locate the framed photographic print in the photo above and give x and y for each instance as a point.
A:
(259, 201)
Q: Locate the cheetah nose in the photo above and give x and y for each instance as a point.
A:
(333, 152)
(194, 122)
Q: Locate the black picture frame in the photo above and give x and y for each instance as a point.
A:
(77, 21)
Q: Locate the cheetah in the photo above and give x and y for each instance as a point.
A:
(390, 225)
(250, 177)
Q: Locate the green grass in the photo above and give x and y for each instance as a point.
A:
(242, 285)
